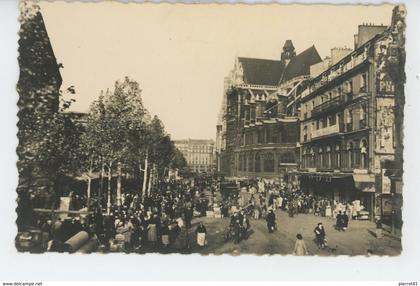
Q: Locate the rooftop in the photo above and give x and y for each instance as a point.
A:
(300, 64)
(275, 72)
(261, 71)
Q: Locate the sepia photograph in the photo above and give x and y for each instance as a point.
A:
(266, 129)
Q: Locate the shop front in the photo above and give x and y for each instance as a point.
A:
(341, 187)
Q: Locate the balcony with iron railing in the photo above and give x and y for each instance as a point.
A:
(329, 130)
(343, 99)
(329, 105)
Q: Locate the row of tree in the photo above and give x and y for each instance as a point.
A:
(118, 137)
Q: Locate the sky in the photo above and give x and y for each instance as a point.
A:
(180, 54)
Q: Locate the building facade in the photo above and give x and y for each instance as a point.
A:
(257, 131)
(199, 154)
(350, 122)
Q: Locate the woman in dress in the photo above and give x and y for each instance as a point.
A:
(165, 235)
(201, 232)
(300, 246)
(152, 231)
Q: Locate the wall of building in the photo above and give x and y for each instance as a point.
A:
(199, 154)
(367, 32)
(337, 54)
(348, 123)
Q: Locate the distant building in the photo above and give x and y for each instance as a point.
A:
(199, 154)
(257, 130)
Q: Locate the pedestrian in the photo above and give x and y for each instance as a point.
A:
(379, 232)
(188, 213)
(201, 232)
(237, 231)
(257, 212)
(271, 221)
(339, 221)
(152, 231)
(345, 219)
(320, 235)
(300, 246)
(165, 235)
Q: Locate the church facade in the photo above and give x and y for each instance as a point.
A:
(258, 130)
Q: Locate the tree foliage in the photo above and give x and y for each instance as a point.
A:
(120, 130)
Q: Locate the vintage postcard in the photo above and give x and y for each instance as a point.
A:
(210, 128)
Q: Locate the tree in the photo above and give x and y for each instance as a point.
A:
(42, 145)
(156, 145)
(115, 131)
(178, 160)
(120, 136)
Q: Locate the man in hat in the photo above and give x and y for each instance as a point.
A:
(271, 221)
(320, 235)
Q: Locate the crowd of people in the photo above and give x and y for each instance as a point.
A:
(266, 196)
(158, 222)
(163, 220)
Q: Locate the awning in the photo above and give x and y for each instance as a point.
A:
(364, 182)
(315, 175)
(364, 178)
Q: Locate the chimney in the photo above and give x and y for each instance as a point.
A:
(367, 32)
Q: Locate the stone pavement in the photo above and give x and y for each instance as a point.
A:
(357, 240)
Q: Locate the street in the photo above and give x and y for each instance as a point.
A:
(357, 240)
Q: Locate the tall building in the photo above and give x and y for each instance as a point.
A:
(351, 120)
(199, 154)
(257, 130)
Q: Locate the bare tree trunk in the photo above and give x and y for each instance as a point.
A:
(119, 173)
(89, 183)
(101, 183)
(149, 186)
(108, 205)
(152, 177)
(89, 179)
(145, 174)
(140, 173)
